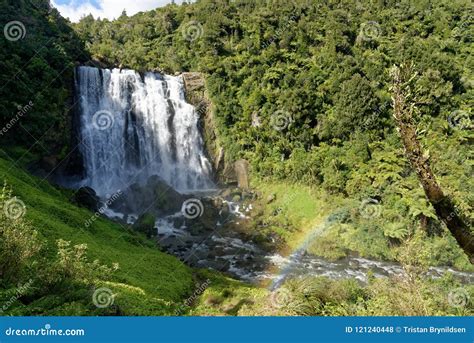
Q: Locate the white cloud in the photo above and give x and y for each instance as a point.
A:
(110, 9)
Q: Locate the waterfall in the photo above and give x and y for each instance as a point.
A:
(134, 126)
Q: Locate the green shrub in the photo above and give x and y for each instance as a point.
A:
(19, 241)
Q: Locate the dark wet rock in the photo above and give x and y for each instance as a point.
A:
(217, 265)
(87, 197)
(208, 218)
(211, 255)
(226, 193)
(178, 222)
(248, 195)
(146, 224)
(218, 203)
(167, 198)
(225, 213)
(155, 195)
(236, 198)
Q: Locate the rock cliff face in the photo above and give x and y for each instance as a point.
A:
(241, 168)
(196, 95)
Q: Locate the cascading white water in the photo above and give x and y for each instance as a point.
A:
(133, 127)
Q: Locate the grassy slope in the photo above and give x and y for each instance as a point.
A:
(301, 206)
(148, 281)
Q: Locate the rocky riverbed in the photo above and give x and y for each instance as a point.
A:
(211, 231)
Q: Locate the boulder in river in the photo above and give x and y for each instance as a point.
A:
(87, 197)
(146, 224)
(156, 196)
(213, 213)
(166, 198)
(226, 193)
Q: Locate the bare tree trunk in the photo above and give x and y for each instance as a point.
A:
(403, 110)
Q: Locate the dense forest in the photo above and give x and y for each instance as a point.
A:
(300, 89)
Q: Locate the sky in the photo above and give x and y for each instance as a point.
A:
(75, 9)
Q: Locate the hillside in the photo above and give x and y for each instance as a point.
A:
(147, 281)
